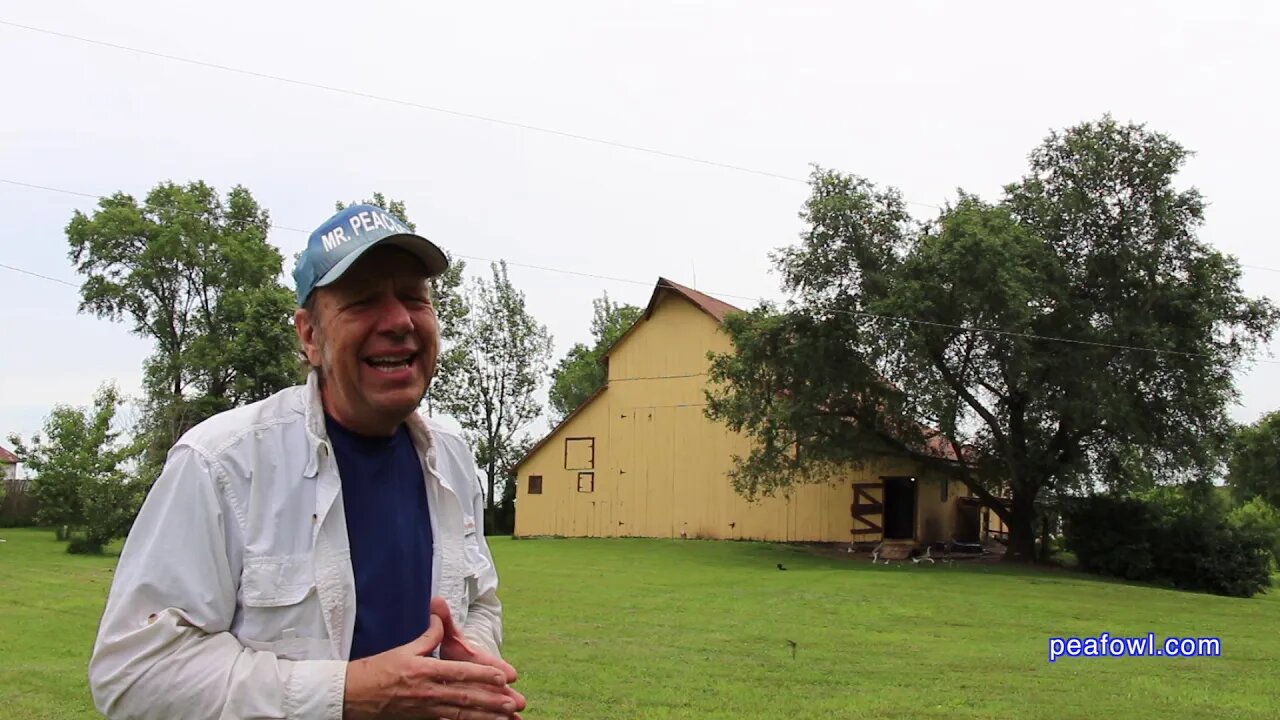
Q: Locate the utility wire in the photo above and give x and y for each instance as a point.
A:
(422, 106)
(892, 318)
(91, 196)
(432, 108)
(287, 228)
(412, 104)
(658, 377)
(33, 186)
(1029, 336)
(36, 274)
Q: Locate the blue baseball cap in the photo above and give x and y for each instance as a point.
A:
(340, 241)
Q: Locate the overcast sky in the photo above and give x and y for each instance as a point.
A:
(925, 96)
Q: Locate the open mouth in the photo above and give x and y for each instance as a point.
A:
(390, 363)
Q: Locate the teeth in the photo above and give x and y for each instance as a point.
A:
(390, 361)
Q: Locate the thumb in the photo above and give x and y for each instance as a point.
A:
(439, 606)
(428, 641)
(440, 609)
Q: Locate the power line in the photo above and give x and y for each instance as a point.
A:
(431, 108)
(855, 313)
(19, 183)
(658, 377)
(993, 331)
(36, 274)
(563, 271)
(1029, 336)
(287, 228)
(412, 104)
(91, 196)
(893, 318)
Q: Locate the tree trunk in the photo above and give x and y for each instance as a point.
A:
(1022, 533)
(489, 498)
(1044, 549)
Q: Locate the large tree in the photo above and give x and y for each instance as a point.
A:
(194, 273)
(490, 377)
(78, 478)
(1254, 468)
(1075, 334)
(581, 372)
(446, 289)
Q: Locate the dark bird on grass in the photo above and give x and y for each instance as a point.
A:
(792, 643)
(780, 567)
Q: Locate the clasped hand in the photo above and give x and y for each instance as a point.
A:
(464, 683)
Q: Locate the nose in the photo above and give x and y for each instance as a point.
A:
(393, 317)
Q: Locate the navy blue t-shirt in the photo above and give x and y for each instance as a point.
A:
(389, 528)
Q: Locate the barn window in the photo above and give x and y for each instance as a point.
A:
(535, 484)
(580, 453)
(586, 482)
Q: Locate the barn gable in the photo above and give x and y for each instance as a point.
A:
(684, 313)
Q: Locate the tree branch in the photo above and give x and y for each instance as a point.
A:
(986, 497)
(993, 423)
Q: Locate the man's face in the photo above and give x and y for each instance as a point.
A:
(375, 338)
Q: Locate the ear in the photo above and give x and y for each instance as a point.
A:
(304, 323)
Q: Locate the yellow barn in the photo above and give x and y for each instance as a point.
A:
(640, 459)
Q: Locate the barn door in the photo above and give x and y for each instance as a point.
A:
(868, 512)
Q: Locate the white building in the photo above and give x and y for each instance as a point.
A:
(8, 465)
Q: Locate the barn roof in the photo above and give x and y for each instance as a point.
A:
(6, 456)
(717, 309)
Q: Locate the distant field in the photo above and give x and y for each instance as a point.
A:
(614, 629)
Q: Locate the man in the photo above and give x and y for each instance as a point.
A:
(318, 554)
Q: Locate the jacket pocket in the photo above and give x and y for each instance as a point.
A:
(276, 580)
(280, 610)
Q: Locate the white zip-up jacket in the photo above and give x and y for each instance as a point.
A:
(234, 595)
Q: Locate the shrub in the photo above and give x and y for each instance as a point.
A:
(1172, 539)
(1200, 550)
(1259, 516)
(1109, 536)
(84, 546)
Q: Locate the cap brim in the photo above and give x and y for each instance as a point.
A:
(432, 257)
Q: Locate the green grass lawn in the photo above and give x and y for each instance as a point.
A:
(613, 629)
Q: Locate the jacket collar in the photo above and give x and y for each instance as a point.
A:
(318, 435)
